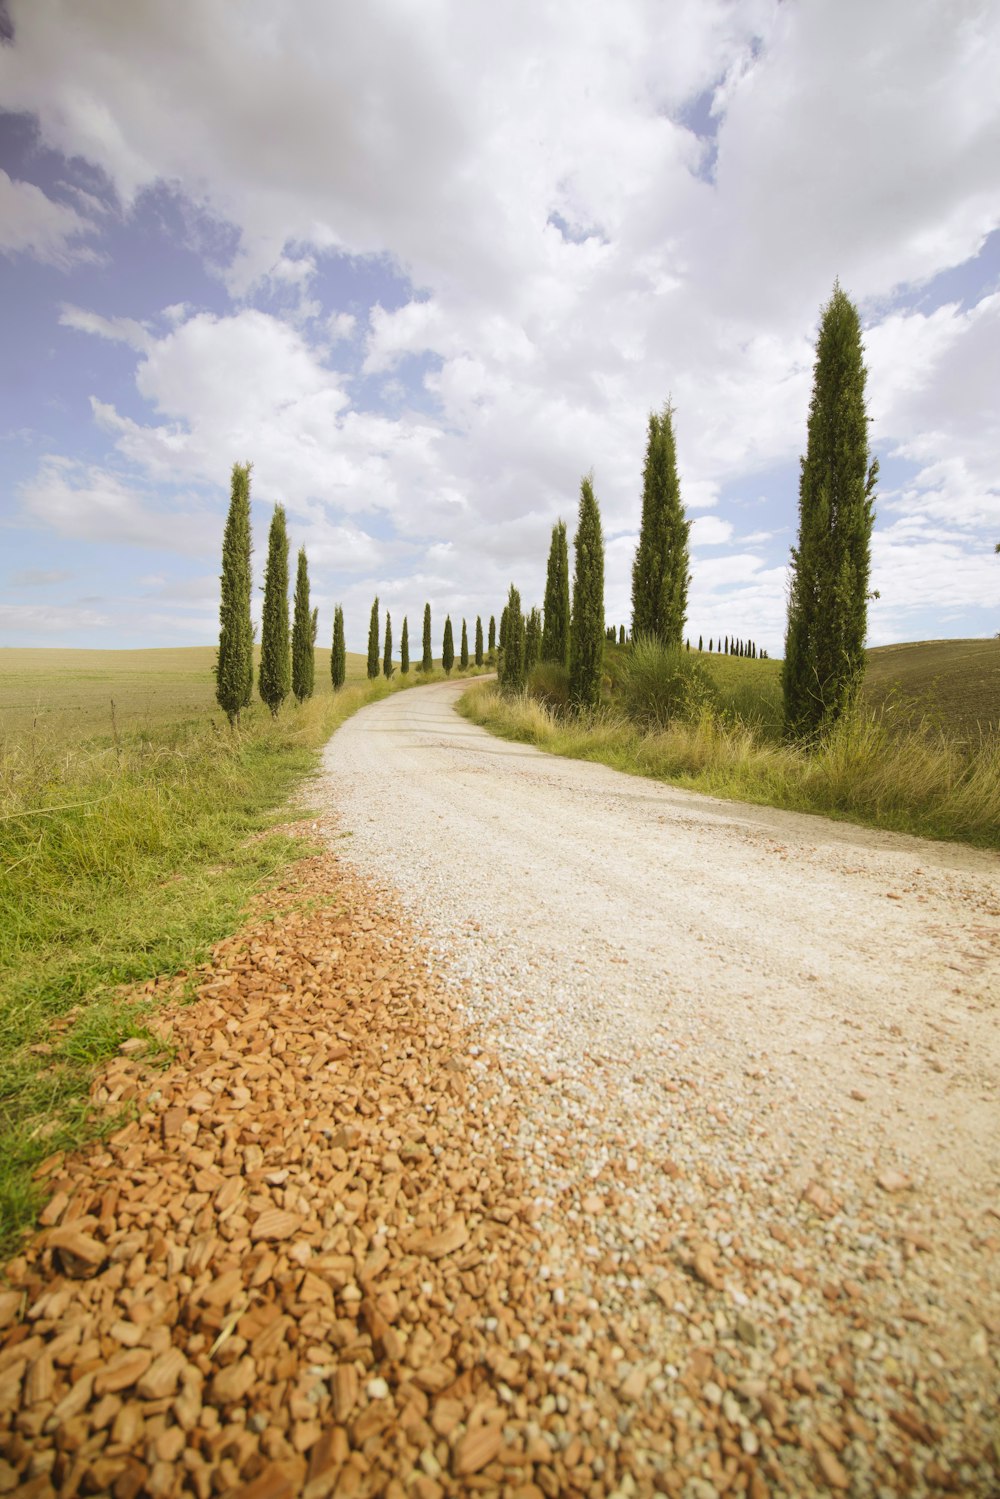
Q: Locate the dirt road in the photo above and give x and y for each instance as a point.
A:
(773, 1033)
(815, 960)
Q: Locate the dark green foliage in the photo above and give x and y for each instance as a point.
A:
(492, 645)
(387, 655)
(710, 638)
(555, 635)
(275, 677)
(511, 666)
(373, 662)
(532, 641)
(621, 635)
(463, 659)
(338, 652)
(448, 645)
(479, 640)
(587, 628)
(688, 643)
(404, 649)
(660, 573)
(701, 646)
(548, 683)
(234, 663)
(304, 622)
(828, 602)
(657, 683)
(725, 647)
(427, 660)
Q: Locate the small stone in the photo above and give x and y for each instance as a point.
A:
(833, 1470)
(275, 1223)
(892, 1180)
(476, 1449)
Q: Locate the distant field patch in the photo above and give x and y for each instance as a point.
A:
(67, 694)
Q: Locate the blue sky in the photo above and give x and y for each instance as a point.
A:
(427, 266)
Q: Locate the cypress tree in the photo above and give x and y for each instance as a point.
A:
(387, 657)
(710, 639)
(493, 635)
(303, 624)
(725, 648)
(700, 644)
(427, 660)
(234, 663)
(463, 659)
(555, 635)
(512, 644)
(275, 677)
(828, 600)
(587, 627)
(532, 642)
(373, 663)
(621, 635)
(479, 640)
(660, 573)
(404, 649)
(448, 646)
(338, 651)
(688, 643)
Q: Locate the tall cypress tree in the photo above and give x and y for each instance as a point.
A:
(448, 645)
(555, 635)
(660, 573)
(463, 659)
(587, 627)
(532, 642)
(303, 624)
(338, 652)
(492, 645)
(479, 640)
(511, 671)
(404, 649)
(828, 600)
(427, 660)
(373, 665)
(234, 663)
(275, 677)
(387, 657)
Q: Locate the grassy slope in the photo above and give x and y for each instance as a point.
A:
(881, 769)
(957, 682)
(123, 858)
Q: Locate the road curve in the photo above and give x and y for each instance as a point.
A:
(850, 978)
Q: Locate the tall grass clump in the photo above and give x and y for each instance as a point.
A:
(657, 683)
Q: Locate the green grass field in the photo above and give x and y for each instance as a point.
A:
(65, 695)
(128, 846)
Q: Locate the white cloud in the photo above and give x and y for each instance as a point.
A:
(89, 503)
(529, 170)
(123, 330)
(36, 225)
(50, 620)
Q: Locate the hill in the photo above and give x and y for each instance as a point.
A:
(956, 683)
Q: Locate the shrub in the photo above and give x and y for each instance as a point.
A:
(549, 684)
(658, 683)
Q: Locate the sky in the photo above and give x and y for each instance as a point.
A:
(427, 263)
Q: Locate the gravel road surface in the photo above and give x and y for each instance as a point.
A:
(786, 1023)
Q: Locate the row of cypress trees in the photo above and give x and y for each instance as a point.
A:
(827, 615)
(287, 657)
(828, 604)
(427, 660)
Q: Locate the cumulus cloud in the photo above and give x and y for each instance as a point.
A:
(569, 256)
(90, 503)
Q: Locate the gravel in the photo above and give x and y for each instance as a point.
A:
(723, 1027)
